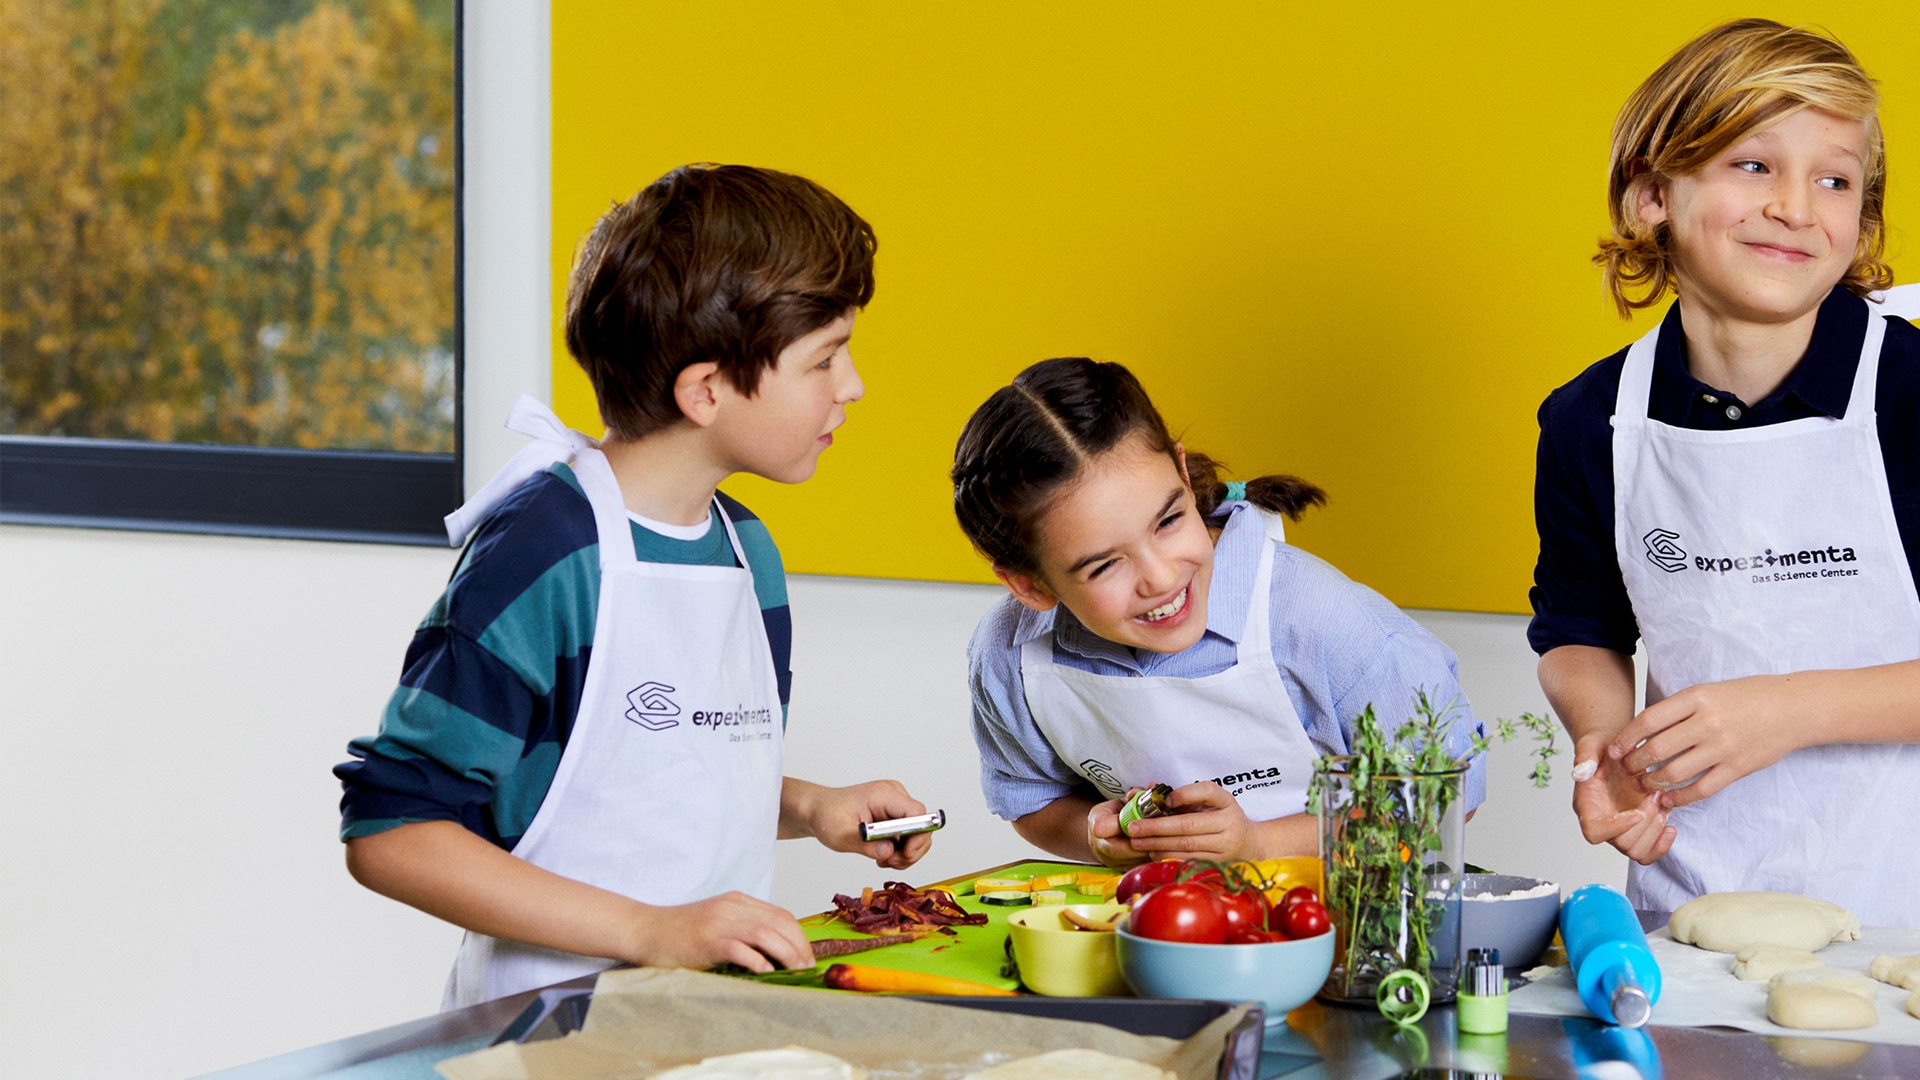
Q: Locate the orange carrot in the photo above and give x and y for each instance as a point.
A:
(861, 977)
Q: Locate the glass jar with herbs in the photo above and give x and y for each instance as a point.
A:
(1393, 837)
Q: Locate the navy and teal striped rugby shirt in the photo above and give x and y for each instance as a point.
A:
(494, 674)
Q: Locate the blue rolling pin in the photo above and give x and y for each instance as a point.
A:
(1615, 971)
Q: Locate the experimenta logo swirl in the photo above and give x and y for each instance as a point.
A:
(652, 708)
(1102, 776)
(1664, 550)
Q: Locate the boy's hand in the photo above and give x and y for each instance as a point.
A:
(1207, 823)
(1612, 806)
(729, 928)
(1712, 734)
(834, 815)
(1109, 845)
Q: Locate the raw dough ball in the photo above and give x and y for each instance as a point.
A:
(1757, 962)
(1812, 1007)
(1898, 970)
(1731, 921)
(1851, 981)
(786, 1063)
(1913, 1004)
(1073, 1065)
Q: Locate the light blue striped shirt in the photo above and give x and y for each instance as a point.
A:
(1339, 646)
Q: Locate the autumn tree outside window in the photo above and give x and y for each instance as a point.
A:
(229, 264)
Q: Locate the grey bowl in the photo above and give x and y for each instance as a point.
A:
(1520, 929)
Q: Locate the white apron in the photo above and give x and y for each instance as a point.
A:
(668, 790)
(1772, 550)
(1237, 726)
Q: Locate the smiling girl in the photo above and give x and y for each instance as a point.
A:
(1740, 490)
(1160, 629)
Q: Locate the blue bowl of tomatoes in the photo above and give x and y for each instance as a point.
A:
(1203, 934)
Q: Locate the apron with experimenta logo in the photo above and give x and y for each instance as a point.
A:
(1237, 727)
(668, 790)
(1773, 550)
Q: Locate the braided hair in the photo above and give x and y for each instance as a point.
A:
(1033, 437)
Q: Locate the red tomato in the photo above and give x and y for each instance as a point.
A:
(1254, 937)
(1304, 920)
(1184, 912)
(1245, 910)
(1210, 877)
(1147, 877)
(1294, 896)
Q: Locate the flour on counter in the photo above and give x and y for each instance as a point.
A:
(1545, 888)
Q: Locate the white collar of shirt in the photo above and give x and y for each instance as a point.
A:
(1236, 556)
(674, 532)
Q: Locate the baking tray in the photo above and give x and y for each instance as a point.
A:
(558, 1012)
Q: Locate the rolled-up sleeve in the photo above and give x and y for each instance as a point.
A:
(435, 758)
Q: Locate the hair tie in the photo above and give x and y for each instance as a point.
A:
(1236, 491)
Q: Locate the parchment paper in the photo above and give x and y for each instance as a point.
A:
(1698, 989)
(649, 1019)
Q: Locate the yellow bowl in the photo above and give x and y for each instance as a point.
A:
(1059, 961)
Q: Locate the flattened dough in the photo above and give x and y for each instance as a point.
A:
(786, 1063)
(1903, 971)
(1757, 963)
(1812, 1007)
(1731, 921)
(1851, 981)
(1073, 1065)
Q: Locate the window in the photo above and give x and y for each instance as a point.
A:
(229, 266)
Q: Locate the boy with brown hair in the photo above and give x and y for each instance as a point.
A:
(582, 762)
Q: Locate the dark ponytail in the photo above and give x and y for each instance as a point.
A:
(1278, 492)
(1029, 439)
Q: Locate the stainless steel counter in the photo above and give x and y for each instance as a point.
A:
(1325, 1043)
(1357, 1045)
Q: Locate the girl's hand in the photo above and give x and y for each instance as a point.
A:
(1207, 823)
(1109, 844)
(730, 928)
(834, 815)
(1612, 806)
(1715, 732)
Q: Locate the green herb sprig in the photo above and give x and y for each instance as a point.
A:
(1397, 788)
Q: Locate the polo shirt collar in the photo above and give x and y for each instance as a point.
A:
(1236, 555)
(1820, 384)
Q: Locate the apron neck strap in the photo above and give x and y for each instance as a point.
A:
(1256, 635)
(610, 519)
(1866, 376)
(1636, 378)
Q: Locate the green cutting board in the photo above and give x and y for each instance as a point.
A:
(975, 953)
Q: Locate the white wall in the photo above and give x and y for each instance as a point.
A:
(172, 705)
(173, 898)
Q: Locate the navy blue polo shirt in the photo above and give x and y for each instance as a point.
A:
(1579, 597)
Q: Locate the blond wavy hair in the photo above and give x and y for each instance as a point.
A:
(1716, 90)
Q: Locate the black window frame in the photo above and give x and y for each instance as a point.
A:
(385, 497)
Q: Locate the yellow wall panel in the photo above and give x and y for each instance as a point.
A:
(1346, 241)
